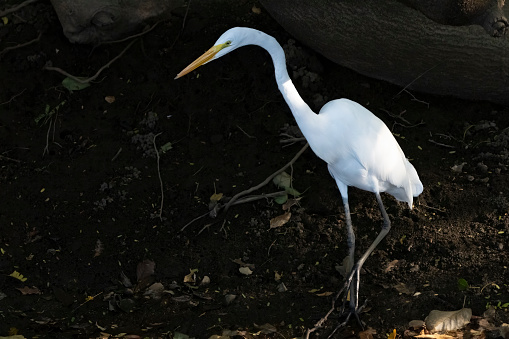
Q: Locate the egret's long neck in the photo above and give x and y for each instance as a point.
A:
(304, 116)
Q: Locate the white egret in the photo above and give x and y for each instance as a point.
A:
(357, 146)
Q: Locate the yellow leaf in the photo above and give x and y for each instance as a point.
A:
(392, 335)
(5, 20)
(324, 294)
(216, 196)
(190, 277)
(18, 276)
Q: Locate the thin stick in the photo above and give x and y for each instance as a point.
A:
(132, 36)
(11, 99)
(195, 219)
(439, 144)
(7, 49)
(159, 175)
(92, 78)
(418, 77)
(266, 181)
(116, 154)
(183, 25)
(15, 8)
(46, 149)
(247, 135)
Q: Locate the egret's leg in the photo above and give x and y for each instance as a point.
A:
(385, 229)
(351, 251)
(354, 276)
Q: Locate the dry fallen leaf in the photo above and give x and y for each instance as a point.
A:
(245, 270)
(448, 321)
(391, 265)
(109, 99)
(216, 196)
(458, 168)
(277, 276)
(434, 336)
(280, 220)
(29, 290)
(290, 202)
(324, 294)
(256, 10)
(190, 278)
(98, 250)
(402, 288)
(367, 334)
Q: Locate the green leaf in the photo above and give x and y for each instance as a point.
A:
(281, 199)
(166, 147)
(292, 191)
(73, 85)
(282, 180)
(462, 284)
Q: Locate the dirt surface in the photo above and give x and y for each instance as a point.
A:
(80, 191)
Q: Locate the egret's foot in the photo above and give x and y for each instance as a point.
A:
(347, 315)
(344, 313)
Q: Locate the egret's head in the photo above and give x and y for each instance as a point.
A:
(229, 41)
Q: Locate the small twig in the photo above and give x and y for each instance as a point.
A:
(415, 99)
(16, 8)
(130, 37)
(3, 157)
(290, 139)
(434, 208)
(46, 148)
(418, 77)
(12, 98)
(116, 154)
(7, 49)
(245, 133)
(203, 229)
(439, 144)
(266, 181)
(92, 78)
(159, 175)
(192, 221)
(268, 251)
(183, 25)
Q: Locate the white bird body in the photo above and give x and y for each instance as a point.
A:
(357, 146)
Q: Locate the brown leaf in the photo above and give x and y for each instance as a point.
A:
(145, 269)
(280, 220)
(98, 250)
(29, 290)
(367, 334)
(109, 99)
(256, 10)
(391, 265)
(290, 202)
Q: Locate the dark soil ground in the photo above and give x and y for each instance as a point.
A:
(80, 192)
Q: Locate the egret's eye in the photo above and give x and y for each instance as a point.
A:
(228, 43)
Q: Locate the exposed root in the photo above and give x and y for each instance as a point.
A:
(16, 8)
(7, 49)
